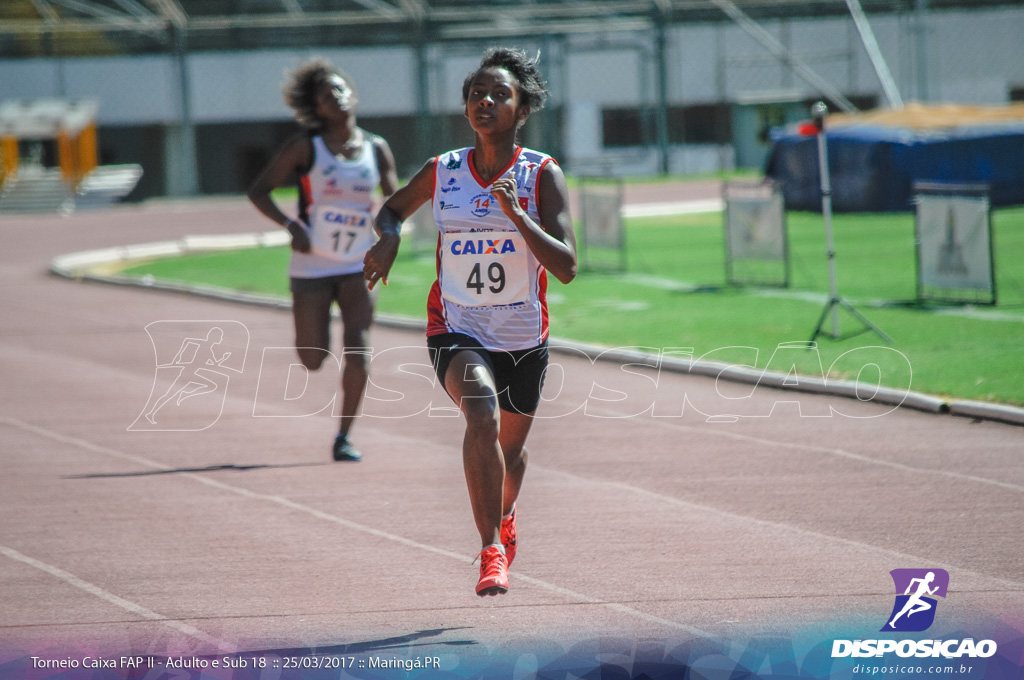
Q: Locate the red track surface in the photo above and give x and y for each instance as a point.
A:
(243, 536)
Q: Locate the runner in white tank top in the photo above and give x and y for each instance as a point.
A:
(339, 167)
(490, 285)
(336, 200)
(503, 216)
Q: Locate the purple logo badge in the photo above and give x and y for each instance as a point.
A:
(914, 609)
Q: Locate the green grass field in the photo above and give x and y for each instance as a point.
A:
(674, 295)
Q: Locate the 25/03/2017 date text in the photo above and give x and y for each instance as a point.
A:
(332, 662)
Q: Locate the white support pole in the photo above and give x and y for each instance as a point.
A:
(818, 112)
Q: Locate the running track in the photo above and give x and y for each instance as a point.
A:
(642, 530)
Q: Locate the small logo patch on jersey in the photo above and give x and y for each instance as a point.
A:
(482, 204)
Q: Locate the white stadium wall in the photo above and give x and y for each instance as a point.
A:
(973, 57)
(234, 86)
(131, 90)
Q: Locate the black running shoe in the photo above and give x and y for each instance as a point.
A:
(343, 449)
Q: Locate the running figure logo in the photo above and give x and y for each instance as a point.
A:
(914, 609)
(194, 362)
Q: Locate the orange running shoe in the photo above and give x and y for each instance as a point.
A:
(508, 536)
(493, 572)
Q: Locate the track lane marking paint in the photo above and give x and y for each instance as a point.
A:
(662, 422)
(550, 587)
(113, 599)
(319, 514)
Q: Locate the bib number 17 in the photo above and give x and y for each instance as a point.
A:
(336, 236)
(495, 274)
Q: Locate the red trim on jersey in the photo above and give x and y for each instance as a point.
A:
(542, 276)
(308, 190)
(542, 295)
(437, 318)
(436, 324)
(483, 184)
(536, 187)
(433, 180)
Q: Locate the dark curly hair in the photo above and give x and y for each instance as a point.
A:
(532, 90)
(302, 86)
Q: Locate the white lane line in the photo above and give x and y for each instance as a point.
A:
(292, 505)
(904, 558)
(666, 423)
(110, 598)
(745, 519)
(669, 208)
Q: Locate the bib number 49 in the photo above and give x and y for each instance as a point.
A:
(495, 273)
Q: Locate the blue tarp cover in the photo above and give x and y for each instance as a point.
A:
(873, 167)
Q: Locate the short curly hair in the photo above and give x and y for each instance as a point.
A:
(302, 86)
(532, 90)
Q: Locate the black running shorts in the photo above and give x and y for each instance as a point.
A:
(518, 374)
(307, 285)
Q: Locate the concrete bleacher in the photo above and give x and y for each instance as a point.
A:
(106, 184)
(35, 189)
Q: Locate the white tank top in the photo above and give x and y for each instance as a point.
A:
(489, 284)
(336, 201)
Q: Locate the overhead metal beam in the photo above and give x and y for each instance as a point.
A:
(304, 20)
(770, 43)
(213, 23)
(172, 11)
(89, 8)
(478, 19)
(37, 27)
(379, 6)
(416, 9)
(45, 11)
(147, 23)
(534, 13)
(133, 7)
(536, 28)
(867, 37)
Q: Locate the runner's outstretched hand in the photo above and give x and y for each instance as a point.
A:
(380, 257)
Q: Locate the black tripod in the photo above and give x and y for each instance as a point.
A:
(818, 112)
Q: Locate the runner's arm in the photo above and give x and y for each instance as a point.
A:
(553, 241)
(291, 160)
(386, 165)
(388, 225)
